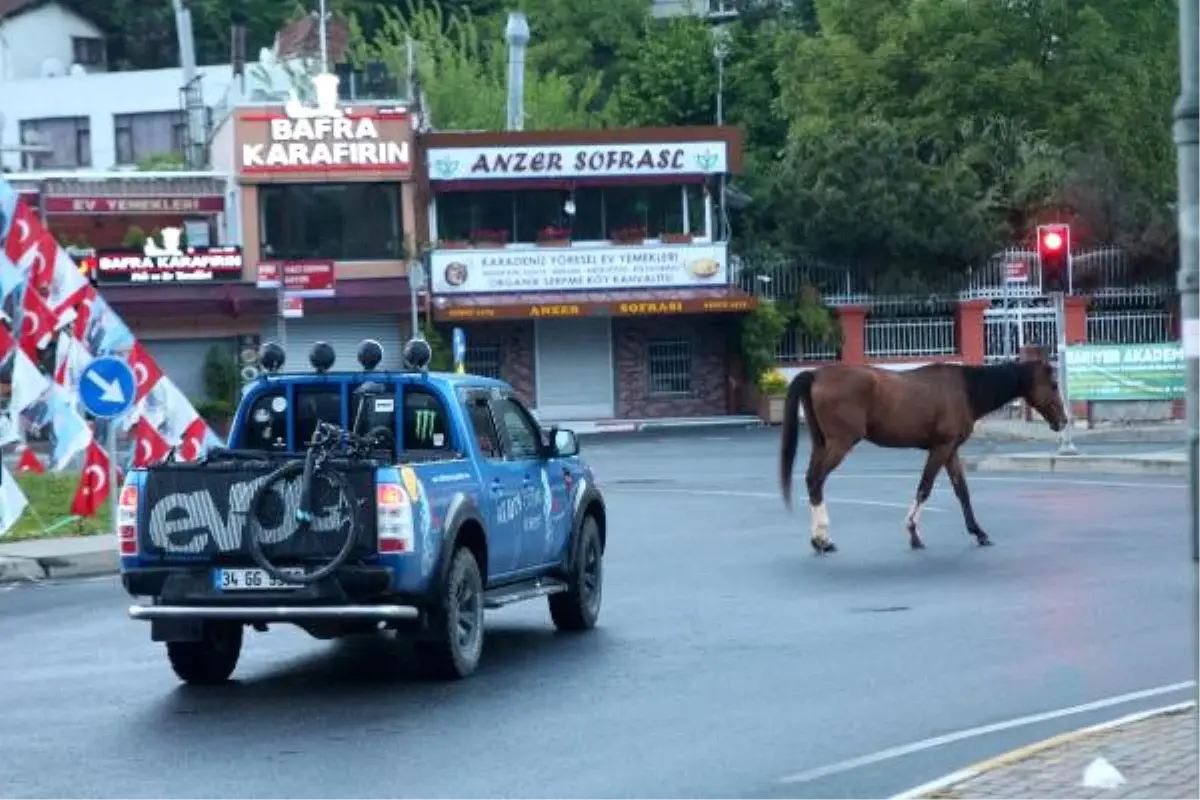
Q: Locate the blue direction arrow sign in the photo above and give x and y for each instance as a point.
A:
(107, 387)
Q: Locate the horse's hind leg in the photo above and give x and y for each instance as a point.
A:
(821, 462)
(933, 464)
(958, 479)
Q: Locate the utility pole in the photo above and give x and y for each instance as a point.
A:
(1187, 142)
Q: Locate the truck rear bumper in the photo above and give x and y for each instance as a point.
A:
(381, 613)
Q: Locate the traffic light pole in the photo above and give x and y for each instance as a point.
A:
(1187, 142)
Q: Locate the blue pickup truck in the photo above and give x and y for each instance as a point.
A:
(435, 496)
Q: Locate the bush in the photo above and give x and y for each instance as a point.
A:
(773, 383)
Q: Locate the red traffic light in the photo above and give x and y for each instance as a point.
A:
(1052, 240)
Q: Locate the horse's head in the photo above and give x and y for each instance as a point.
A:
(1041, 392)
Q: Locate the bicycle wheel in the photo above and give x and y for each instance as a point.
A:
(346, 500)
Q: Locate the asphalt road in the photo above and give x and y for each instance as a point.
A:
(729, 661)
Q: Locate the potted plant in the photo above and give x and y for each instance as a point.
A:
(554, 236)
(489, 237)
(772, 386)
(630, 234)
(675, 238)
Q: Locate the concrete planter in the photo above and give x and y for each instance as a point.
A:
(772, 410)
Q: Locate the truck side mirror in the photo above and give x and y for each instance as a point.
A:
(565, 443)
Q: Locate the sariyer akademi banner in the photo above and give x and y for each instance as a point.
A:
(53, 322)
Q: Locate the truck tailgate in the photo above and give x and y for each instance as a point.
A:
(191, 512)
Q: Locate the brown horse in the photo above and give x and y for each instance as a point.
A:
(932, 408)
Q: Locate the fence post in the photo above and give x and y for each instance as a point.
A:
(971, 330)
(1075, 315)
(853, 320)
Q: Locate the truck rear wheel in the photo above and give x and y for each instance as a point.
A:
(455, 641)
(578, 608)
(210, 660)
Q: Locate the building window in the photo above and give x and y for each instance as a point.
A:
(524, 216)
(88, 51)
(68, 141)
(338, 221)
(670, 363)
(483, 359)
(139, 136)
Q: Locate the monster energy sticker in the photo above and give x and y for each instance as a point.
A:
(424, 419)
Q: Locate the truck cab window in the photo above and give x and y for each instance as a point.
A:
(315, 403)
(522, 434)
(377, 417)
(425, 421)
(265, 424)
(484, 429)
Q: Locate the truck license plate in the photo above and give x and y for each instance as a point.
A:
(255, 580)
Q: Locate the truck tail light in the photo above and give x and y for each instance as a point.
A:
(127, 504)
(393, 519)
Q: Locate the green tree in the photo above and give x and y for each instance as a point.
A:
(672, 78)
(464, 76)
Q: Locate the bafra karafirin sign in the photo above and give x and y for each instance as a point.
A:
(327, 136)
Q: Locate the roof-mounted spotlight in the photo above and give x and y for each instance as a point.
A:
(321, 356)
(417, 354)
(271, 356)
(370, 353)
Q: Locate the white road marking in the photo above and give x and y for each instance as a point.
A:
(983, 730)
(768, 495)
(1039, 478)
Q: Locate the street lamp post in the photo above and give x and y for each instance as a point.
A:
(1187, 142)
(720, 53)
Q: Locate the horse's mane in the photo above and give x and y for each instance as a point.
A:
(992, 386)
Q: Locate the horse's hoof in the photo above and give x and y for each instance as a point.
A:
(983, 540)
(916, 544)
(822, 546)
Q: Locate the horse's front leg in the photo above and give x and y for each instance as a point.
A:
(933, 464)
(958, 479)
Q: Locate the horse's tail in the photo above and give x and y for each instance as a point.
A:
(799, 392)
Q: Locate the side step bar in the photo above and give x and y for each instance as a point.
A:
(274, 613)
(507, 595)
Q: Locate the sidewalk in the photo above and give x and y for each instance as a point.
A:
(1168, 463)
(64, 557)
(1154, 753)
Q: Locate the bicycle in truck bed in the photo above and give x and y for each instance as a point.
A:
(417, 501)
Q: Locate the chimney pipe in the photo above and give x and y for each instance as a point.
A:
(517, 34)
(237, 40)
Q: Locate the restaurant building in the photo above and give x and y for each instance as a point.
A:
(589, 268)
(328, 186)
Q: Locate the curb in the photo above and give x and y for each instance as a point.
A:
(87, 564)
(1028, 751)
(1083, 465)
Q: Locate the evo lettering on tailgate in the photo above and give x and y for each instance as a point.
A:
(190, 522)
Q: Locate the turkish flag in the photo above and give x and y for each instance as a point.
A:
(81, 302)
(26, 228)
(93, 483)
(192, 443)
(149, 446)
(7, 342)
(29, 462)
(144, 369)
(40, 258)
(37, 323)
